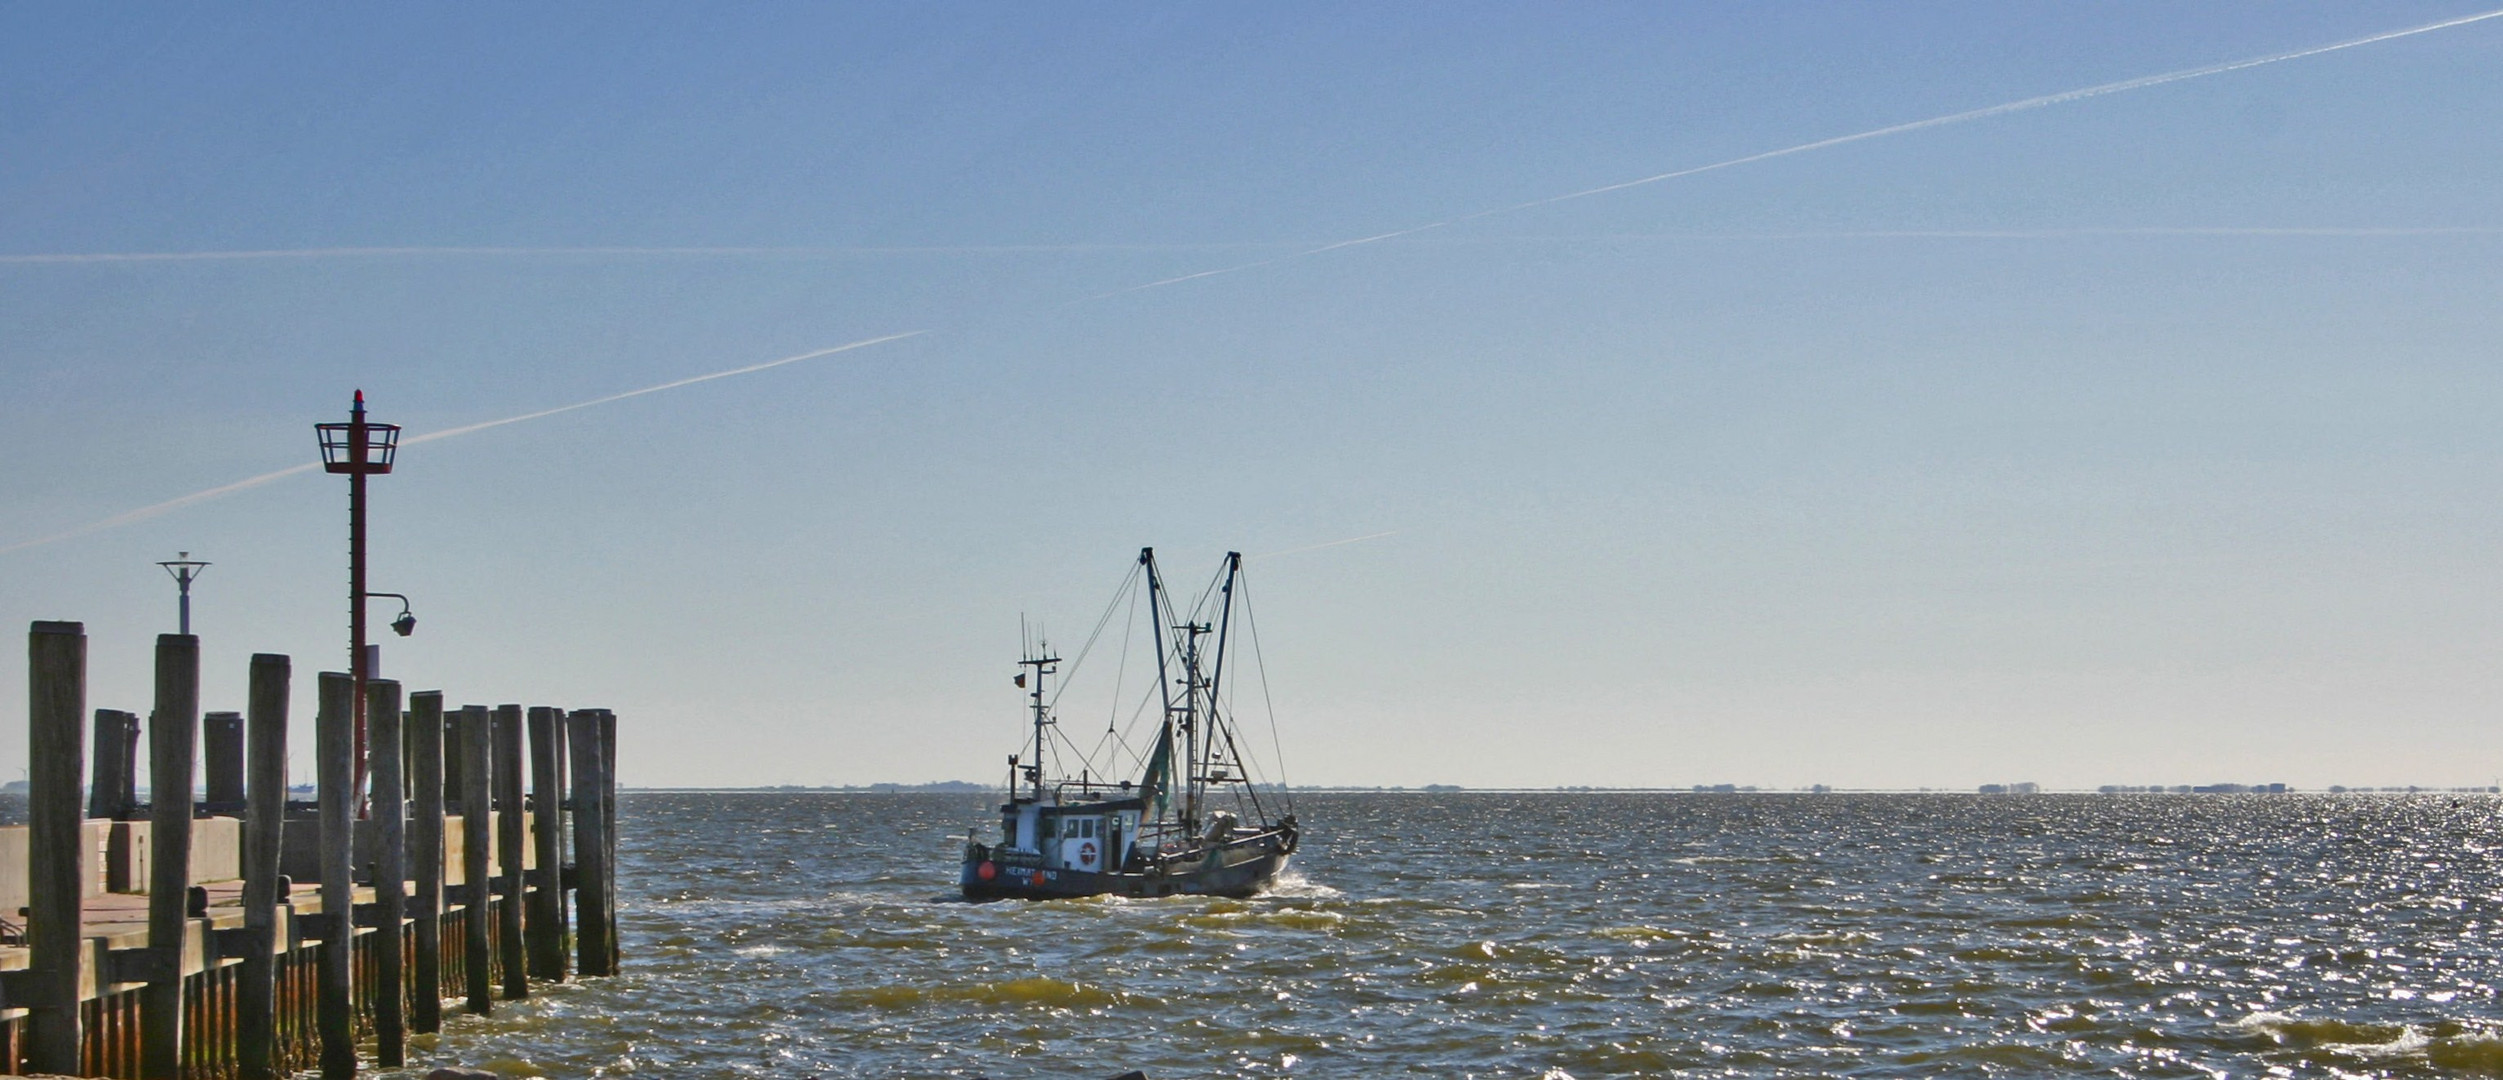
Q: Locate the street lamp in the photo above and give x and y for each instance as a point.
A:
(406, 624)
(360, 449)
(185, 569)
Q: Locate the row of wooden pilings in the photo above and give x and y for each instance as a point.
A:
(285, 981)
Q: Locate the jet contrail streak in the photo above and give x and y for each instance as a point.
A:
(223, 490)
(2062, 98)
(2046, 100)
(1331, 544)
(1017, 249)
(57, 258)
(160, 509)
(748, 370)
(2073, 233)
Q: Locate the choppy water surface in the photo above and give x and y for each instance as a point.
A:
(1562, 935)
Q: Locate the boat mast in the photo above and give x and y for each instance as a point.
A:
(1164, 685)
(1198, 774)
(1225, 621)
(1218, 726)
(1042, 714)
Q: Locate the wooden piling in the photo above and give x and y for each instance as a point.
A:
(510, 828)
(335, 749)
(608, 811)
(390, 810)
(564, 831)
(425, 748)
(306, 985)
(595, 932)
(113, 795)
(452, 720)
(256, 1000)
(172, 755)
(476, 844)
(547, 902)
(56, 700)
(221, 746)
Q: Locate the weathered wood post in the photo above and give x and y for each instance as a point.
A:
(477, 838)
(221, 744)
(382, 729)
(564, 835)
(509, 845)
(335, 749)
(547, 904)
(56, 701)
(594, 952)
(172, 755)
(425, 743)
(608, 810)
(113, 795)
(264, 821)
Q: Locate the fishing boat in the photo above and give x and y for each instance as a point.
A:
(1197, 818)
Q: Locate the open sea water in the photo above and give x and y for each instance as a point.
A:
(1560, 935)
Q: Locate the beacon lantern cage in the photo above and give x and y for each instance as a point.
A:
(358, 446)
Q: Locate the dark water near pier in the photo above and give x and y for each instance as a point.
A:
(1563, 935)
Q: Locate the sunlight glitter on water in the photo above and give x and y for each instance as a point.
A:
(1588, 935)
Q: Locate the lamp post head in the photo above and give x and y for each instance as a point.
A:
(358, 446)
(184, 567)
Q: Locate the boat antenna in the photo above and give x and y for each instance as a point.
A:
(1038, 655)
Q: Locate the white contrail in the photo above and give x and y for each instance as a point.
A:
(750, 369)
(2150, 230)
(1317, 547)
(170, 505)
(2069, 233)
(2062, 98)
(160, 509)
(2044, 101)
(72, 258)
(251, 254)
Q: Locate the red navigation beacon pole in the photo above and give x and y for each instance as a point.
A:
(359, 449)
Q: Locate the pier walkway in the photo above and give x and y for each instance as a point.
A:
(470, 852)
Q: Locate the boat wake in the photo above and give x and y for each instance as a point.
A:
(1293, 885)
(2445, 1044)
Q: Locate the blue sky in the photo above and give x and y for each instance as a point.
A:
(2143, 438)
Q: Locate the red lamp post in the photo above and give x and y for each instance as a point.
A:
(359, 449)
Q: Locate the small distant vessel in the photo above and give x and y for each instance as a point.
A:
(1195, 821)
